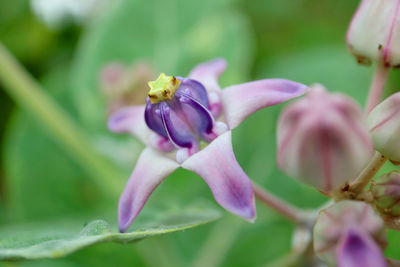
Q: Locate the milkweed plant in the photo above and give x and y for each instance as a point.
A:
(324, 140)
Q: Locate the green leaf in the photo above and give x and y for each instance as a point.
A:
(392, 250)
(331, 66)
(58, 239)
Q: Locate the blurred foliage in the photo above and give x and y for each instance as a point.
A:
(301, 40)
(58, 239)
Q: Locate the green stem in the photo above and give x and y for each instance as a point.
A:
(279, 205)
(377, 86)
(368, 173)
(28, 94)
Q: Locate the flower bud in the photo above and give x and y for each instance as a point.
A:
(347, 219)
(384, 127)
(322, 140)
(374, 32)
(386, 193)
(125, 85)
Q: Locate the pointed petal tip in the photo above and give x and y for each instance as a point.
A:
(124, 221)
(242, 100)
(219, 60)
(303, 88)
(248, 213)
(122, 229)
(251, 218)
(228, 182)
(150, 170)
(292, 87)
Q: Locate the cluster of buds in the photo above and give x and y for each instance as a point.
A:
(125, 85)
(323, 140)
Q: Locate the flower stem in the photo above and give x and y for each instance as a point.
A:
(368, 173)
(27, 93)
(289, 211)
(377, 86)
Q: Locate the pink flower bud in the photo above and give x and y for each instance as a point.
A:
(384, 127)
(374, 32)
(348, 220)
(386, 193)
(322, 140)
(124, 85)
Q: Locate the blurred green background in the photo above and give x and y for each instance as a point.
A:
(41, 181)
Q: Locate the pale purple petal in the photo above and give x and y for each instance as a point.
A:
(359, 249)
(240, 101)
(130, 120)
(208, 73)
(231, 187)
(151, 168)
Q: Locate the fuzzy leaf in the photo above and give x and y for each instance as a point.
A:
(58, 239)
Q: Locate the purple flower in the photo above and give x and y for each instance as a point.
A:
(180, 128)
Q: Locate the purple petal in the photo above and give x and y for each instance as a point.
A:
(176, 126)
(358, 249)
(195, 89)
(130, 120)
(240, 101)
(208, 73)
(197, 115)
(152, 117)
(231, 187)
(151, 168)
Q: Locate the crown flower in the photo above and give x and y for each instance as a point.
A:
(187, 122)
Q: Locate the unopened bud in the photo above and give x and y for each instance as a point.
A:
(384, 127)
(374, 32)
(386, 193)
(125, 85)
(322, 140)
(344, 221)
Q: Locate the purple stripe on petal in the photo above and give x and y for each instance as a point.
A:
(231, 187)
(130, 120)
(198, 116)
(149, 172)
(152, 116)
(195, 89)
(359, 249)
(177, 127)
(208, 73)
(240, 101)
